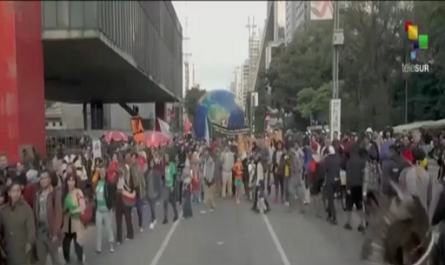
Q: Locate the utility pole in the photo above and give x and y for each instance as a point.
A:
(337, 41)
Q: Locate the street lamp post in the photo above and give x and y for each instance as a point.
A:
(338, 40)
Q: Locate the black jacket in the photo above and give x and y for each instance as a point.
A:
(355, 171)
(109, 194)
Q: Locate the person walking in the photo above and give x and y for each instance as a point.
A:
(187, 190)
(152, 178)
(169, 194)
(209, 182)
(17, 220)
(238, 172)
(49, 216)
(73, 228)
(124, 202)
(104, 194)
(139, 186)
(227, 162)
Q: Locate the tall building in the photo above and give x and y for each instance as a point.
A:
(245, 80)
(189, 75)
(254, 56)
(232, 87)
(297, 13)
(238, 85)
(279, 23)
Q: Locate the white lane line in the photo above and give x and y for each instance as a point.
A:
(164, 245)
(276, 241)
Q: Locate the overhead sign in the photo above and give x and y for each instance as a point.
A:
(321, 10)
(335, 116)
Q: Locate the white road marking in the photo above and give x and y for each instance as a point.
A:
(164, 245)
(276, 241)
(220, 243)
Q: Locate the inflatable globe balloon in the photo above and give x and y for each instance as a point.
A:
(218, 110)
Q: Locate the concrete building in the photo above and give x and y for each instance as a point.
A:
(297, 13)
(237, 87)
(279, 23)
(245, 80)
(70, 116)
(254, 54)
(189, 75)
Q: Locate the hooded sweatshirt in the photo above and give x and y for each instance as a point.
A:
(356, 169)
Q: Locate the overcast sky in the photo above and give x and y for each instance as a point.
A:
(218, 37)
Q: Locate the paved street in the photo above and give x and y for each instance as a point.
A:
(235, 235)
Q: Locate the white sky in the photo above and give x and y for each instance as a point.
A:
(218, 37)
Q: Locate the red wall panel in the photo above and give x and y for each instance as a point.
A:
(22, 94)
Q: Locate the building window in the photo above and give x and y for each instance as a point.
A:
(54, 124)
(60, 123)
(46, 124)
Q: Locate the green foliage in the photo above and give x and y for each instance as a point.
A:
(303, 63)
(191, 100)
(376, 45)
(315, 102)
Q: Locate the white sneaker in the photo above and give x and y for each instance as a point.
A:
(152, 225)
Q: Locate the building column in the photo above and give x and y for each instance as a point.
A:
(160, 113)
(22, 89)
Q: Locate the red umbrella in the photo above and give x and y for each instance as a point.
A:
(116, 136)
(154, 138)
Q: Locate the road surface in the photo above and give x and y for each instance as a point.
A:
(234, 235)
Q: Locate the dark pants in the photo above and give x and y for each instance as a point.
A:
(259, 192)
(139, 210)
(180, 191)
(279, 186)
(66, 246)
(268, 181)
(246, 187)
(125, 212)
(329, 193)
(152, 205)
(169, 198)
(187, 206)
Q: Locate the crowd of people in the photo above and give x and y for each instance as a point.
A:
(48, 204)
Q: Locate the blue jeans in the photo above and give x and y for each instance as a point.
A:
(139, 207)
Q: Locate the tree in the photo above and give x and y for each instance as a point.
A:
(303, 63)
(191, 100)
(374, 90)
(315, 102)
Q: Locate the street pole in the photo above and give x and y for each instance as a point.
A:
(337, 41)
(406, 91)
(336, 18)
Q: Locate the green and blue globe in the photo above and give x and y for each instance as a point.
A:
(218, 107)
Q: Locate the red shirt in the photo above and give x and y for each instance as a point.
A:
(141, 162)
(111, 171)
(28, 193)
(408, 155)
